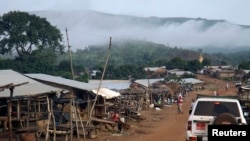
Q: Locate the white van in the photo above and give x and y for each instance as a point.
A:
(212, 110)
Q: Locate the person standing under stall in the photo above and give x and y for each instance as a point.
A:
(4, 117)
(179, 103)
(4, 114)
(116, 118)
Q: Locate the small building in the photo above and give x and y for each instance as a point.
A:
(225, 74)
(193, 84)
(156, 72)
(178, 73)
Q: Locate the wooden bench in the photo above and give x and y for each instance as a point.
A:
(88, 131)
(27, 132)
(60, 130)
(105, 122)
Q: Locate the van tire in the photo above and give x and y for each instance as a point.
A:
(225, 118)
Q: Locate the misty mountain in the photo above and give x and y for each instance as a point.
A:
(86, 28)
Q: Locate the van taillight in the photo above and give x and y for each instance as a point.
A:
(189, 126)
(192, 138)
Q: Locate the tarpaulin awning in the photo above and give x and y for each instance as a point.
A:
(106, 93)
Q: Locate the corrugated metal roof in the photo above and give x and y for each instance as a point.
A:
(154, 68)
(148, 82)
(179, 72)
(246, 71)
(63, 81)
(112, 84)
(31, 88)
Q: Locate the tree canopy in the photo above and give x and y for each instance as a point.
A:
(24, 33)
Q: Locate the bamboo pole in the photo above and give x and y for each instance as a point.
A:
(76, 118)
(80, 118)
(49, 118)
(105, 66)
(71, 120)
(53, 118)
(70, 56)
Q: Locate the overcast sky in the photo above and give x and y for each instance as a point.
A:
(85, 31)
(235, 11)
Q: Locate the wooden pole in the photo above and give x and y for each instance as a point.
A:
(48, 122)
(105, 66)
(71, 120)
(148, 91)
(9, 113)
(28, 113)
(70, 56)
(52, 117)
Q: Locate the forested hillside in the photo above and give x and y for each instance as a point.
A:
(132, 52)
(144, 53)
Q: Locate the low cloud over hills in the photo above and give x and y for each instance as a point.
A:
(87, 28)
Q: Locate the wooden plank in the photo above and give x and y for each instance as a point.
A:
(103, 120)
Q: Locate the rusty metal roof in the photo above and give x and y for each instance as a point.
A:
(62, 81)
(148, 82)
(23, 86)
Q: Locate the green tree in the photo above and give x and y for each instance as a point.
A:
(24, 33)
(176, 63)
(244, 65)
(193, 65)
(206, 62)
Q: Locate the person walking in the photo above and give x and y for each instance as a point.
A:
(227, 86)
(170, 99)
(215, 93)
(191, 106)
(179, 103)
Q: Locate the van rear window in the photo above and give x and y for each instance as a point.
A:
(212, 108)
